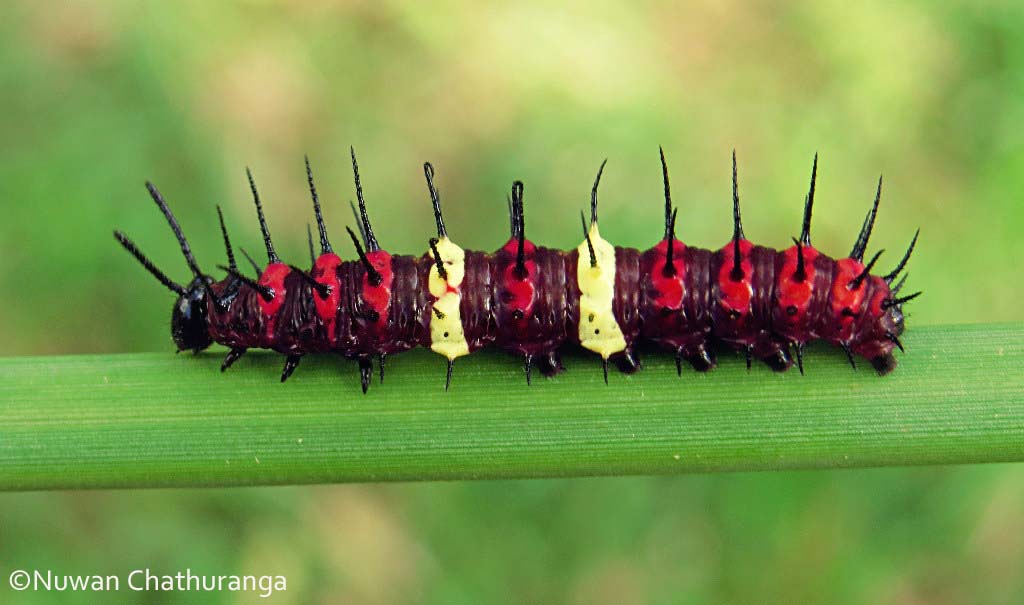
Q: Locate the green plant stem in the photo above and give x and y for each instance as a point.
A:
(155, 420)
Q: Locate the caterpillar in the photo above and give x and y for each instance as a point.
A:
(533, 301)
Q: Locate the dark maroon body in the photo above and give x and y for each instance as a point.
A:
(536, 325)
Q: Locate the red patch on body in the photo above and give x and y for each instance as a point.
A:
(671, 287)
(325, 271)
(273, 277)
(378, 297)
(793, 295)
(735, 295)
(847, 303)
(518, 290)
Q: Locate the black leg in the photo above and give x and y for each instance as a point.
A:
(628, 362)
(702, 360)
(448, 376)
(365, 373)
(849, 355)
(231, 358)
(549, 363)
(779, 359)
(883, 364)
(289, 366)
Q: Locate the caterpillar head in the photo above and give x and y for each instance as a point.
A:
(189, 324)
(883, 325)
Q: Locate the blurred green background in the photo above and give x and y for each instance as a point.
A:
(98, 96)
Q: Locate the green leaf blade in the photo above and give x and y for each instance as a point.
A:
(160, 420)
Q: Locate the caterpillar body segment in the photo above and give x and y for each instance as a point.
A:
(533, 301)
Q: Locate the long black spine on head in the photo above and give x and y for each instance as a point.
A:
(325, 244)
(593, 193)
(167, 282)
(669, 214)
(178, 233)
(869, 223)
(805, 231)
(517, 204)
(903, 262)
(227, 240)
(737, 226)
(371, 240)
(435, 199)
(271, 254)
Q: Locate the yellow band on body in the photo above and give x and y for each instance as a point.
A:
(599, 332)
(446, 334)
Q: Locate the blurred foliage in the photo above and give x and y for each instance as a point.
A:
(99, 96)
